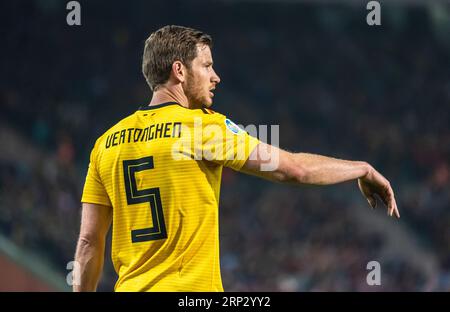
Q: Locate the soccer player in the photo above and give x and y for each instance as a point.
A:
(156, 176)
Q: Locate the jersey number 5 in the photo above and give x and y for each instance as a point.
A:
(150, 195)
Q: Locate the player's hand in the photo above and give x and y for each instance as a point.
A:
(374, 183)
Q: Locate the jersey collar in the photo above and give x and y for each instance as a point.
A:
(158, 106)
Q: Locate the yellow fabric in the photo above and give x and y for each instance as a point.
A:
(171, 210)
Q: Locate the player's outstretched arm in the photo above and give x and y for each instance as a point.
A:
(275, 164)
(95, 223)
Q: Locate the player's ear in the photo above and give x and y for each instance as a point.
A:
(179, 71)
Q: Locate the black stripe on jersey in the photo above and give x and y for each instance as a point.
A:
(207, 111)
(158, 106)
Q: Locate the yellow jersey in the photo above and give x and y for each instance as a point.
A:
(160, 171)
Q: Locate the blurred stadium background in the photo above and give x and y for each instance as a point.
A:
(334, 85)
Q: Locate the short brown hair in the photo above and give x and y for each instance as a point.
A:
(167, 45)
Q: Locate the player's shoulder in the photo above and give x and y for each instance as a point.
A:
(212, 117)
(208, 115)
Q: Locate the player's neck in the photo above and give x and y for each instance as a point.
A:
(164, 95)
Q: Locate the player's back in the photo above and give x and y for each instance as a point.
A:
(150, 168)
(165, 203)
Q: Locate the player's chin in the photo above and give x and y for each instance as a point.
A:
(208, 101)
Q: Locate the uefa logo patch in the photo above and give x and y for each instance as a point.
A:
(233, 127)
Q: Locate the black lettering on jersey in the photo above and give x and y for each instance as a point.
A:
(144, 135)
(176, 132)
(122, 137)
(158, 132)
(129, 134)
(137, 131)
(151, 135)
(167, 129)
(108, 140)
(155, 131)
(114, 143)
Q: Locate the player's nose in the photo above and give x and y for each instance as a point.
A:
(215, 77)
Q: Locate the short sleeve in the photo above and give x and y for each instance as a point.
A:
(224, 143)
(94, 191)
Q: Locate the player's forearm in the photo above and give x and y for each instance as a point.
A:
(323, 170)
(90, 257)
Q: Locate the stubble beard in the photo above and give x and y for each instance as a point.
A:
(194, 93)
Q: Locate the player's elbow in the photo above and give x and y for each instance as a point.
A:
(85, 247)
(88, 248)
(89, 241)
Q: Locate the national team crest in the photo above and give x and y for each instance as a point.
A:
(233, 127)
